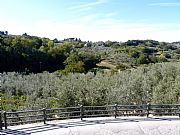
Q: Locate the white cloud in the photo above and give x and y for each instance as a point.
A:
(89, 18)
(75, 11)
(170, 4)
(86, 6)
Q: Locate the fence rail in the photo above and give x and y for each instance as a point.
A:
(44, 115)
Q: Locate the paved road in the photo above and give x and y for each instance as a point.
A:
(101, 126)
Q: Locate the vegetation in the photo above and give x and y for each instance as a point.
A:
(156, 83)
(30, 54)
(38, 72)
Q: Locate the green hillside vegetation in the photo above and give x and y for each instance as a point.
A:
(156, 83)
(39, 72)
(31, 54)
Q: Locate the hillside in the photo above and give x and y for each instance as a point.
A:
(31, 54)
(155, 83)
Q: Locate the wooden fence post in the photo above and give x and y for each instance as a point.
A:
(81, 112)
(0, 121)
(179, 110)
(115, 111)
(148, 109)
(5, 120)
(44, 115)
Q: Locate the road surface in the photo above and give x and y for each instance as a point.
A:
(101, 126)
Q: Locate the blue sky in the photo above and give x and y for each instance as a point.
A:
(95, 20)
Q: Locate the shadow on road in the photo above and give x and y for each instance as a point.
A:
(60, 125)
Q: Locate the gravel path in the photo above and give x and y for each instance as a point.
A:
(101, 126)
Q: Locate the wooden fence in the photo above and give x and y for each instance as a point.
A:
(44, 115)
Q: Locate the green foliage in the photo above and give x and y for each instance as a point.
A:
(74, 63)
(142, 59)
(134, 53)
(121, 67)
(66, 48)
(80, 62)
(77, 67)
(156, 83)
(161, 59)
(11, 102)
(29, 54)
(177, 51)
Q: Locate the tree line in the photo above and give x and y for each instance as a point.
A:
(31, 54)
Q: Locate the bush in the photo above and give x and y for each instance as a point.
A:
(155, 83)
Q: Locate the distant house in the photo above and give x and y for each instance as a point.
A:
(72, 40)
(69, 39)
